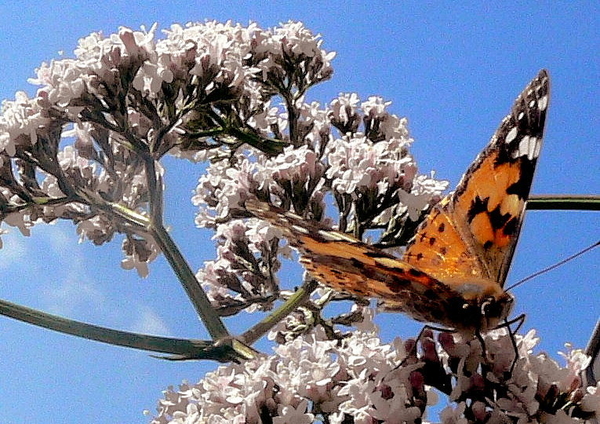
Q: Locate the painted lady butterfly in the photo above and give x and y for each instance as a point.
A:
(454, 269)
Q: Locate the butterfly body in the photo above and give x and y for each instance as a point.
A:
(454, 269)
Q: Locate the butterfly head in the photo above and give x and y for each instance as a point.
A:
(480, 308)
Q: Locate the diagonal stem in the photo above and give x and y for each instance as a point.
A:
(198, 297)
(297, 299)
(182, 269)
(187, 348)
(196, 294)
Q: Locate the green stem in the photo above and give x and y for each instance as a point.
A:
(191, 285)
(564, 202)
(187, 348)
(184, 273)
(155, 190)
(270, 146)
(127, 214)
(297, 299)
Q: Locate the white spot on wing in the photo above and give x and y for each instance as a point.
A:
(299, 229)
(536, 150)
(528, 146)
(543, 103)
(511, 135)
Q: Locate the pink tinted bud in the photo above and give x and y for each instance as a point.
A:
(446, 339)
(417, 381)
(386, 391)
(477, 382)
(427, 334)
(577, 395)
(410, 345)
(479, 411)
(429, 351)
(575, 384)
(128, 39)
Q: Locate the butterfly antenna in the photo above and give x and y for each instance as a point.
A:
(556, 265)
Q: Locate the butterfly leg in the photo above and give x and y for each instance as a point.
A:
(479, 337)
(490, 360)
(520, 320)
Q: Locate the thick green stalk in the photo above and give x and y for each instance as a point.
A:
(184, 273)
(198, 297)
(185, 348)
(191, 285)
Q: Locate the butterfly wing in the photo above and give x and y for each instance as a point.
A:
(453, 271)
(472, 234)
(342, 262)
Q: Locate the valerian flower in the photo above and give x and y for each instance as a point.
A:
(591, 400)
(128, 97)
(360, 379)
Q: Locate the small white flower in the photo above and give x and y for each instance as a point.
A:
(591, 400)
(290, 415)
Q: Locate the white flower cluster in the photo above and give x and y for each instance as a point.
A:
(369, 180)
(246, 266)
(360, 380)
(83, 144)
(307, 377)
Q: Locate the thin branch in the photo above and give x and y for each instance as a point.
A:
(269, 146)
(155, 190)
(196, 294)
(129, 215)
(184, 273)
(297, 299)
(564, 202)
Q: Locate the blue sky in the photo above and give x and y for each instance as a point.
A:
(453, 71)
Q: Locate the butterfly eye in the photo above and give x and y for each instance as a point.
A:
(496, 309)
(489, 307)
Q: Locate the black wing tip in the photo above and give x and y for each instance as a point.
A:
(538, 87)
(542, 79)
(534, 102)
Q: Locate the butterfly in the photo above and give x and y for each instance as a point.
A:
(453, 271)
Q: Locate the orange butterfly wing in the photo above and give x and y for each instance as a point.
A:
(453, 270)
(472, 234)
(343, 262)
